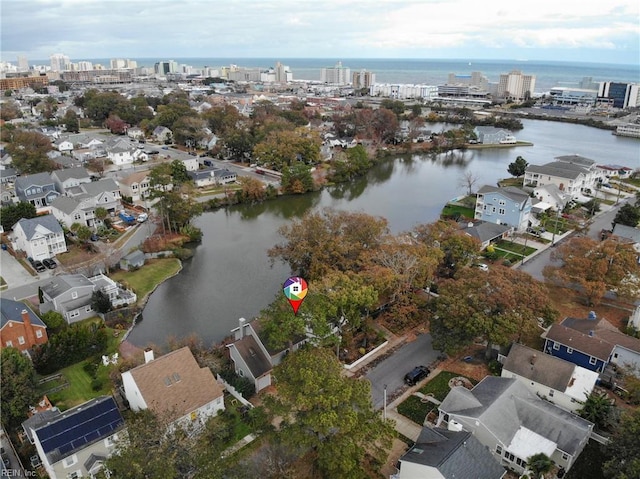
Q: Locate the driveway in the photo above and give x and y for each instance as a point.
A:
(14, 273)
(391, 371)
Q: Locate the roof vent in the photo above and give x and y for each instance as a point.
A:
(591, 333)
(469, 224)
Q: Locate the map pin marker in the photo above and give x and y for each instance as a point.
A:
(295, 289)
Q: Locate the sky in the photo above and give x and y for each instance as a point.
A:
(559, 30)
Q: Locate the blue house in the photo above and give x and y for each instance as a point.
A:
(506, 206)
(583, 349)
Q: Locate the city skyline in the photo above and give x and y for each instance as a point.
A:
(498, 29)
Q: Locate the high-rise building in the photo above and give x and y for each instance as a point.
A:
(363, 79)
(337, 75)
(59, 62)
(516, 86)
(23, 63)
(283, 73)
(165, 67)
(84, 66)
(623, 95)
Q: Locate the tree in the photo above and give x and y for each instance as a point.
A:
(518, 167)
(624, 448)
(179, 172)
(11, 214)
(628, 215)
(251, 190)
(595, 267)
(18, 386)
(28, 150)
(296, 179)
(116, 125)
(97, 165)
(597, 408)
(55, 322)
(71, 122)
(288, 147)
(100, 302)
(497, 308)
(539, 464)
(328, 415)
(468, 180)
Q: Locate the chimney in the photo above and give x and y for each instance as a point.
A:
(30, 336)
(533, 359)
(240, 334)
(148, 355)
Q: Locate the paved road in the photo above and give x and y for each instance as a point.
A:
(391, 370)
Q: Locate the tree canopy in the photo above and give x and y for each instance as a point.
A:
(328, 415)
(28, 150)
(518, 167)
(625, 448)
(11, 214)
(18, 385)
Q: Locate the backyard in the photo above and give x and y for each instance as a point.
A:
(144, 280)
(508, 250)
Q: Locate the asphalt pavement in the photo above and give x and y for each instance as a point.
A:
(391, 370)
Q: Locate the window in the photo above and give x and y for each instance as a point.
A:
(74, 474)
(74, 314)
(70, 461)
(20, 339)
(74, 294)
(493, 209)
(38, 333)
(592, 360)
(502, 202)
(509, 457)
(565, 456)
(569, 350)
(615, 355)
(87, 308)
(499, 450)
(9, 344)
(501, 211)
(556, 346)
(550, 393)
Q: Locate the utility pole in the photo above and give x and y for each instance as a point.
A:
(384, 408)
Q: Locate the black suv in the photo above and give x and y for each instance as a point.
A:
(39, 267)
(49, 263)
(416, 375)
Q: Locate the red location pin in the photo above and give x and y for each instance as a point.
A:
(295, 289)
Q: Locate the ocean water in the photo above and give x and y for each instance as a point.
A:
(425, 71)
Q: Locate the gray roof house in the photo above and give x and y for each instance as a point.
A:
(570, 173)
(558, 381)
(443, 454)
(69, 295)
(70, 177)
(514, 423)
(628, 233)
(40, 237)
(506, 206)
(490, 135)
(38, 189)
(8, 175)
(133, 260)
(105, 192)
(80, 209)
(486, 232)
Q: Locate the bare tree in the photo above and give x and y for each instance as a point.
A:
(468, 180)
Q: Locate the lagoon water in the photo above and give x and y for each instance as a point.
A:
(231, 276)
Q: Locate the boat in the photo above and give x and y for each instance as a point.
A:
(508, 140)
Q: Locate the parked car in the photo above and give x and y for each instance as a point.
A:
(39, 267)
(49, 263)
(94, 237)
(142, 217)
(483, 267)
(416, 375)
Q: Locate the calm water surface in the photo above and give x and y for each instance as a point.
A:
(231, 276)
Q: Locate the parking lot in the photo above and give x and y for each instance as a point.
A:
(391, 371)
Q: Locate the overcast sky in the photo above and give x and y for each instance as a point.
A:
(605, 31)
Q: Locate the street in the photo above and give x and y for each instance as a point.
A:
(391, 370)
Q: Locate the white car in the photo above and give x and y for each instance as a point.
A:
(483, 267)
(142, 217)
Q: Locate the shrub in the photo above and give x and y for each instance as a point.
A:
(91, 369)
(96, 384)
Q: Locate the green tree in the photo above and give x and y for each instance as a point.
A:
(101, 213)
(329, 415)
(598, 409)
(624, 448)
(518, 167)
(71, 122)
(296, 179)
(179, 172)
(18, 386)
(28, 150)
(539, 464)
(628, 215)
(55, 322)
(354, 162)
(11, 214)
(100, 302)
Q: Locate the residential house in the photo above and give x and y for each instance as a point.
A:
(615, 171)
(442, 454)
(174, 387)
(68, 210)
(486, 232)
(490, 135)
(252, 356)
(84, 155)
(573, 174)
(71, 295)
(133, 260)
(38, 189)
(64, 179)
(191, 164)
(135, 133)
(120, 155)
(162, 134)
(63, 146)
(593, 343)
(224, 176)
(105, 192)
(628, 234)
(563, 383)
(63, 162)
(209, 142)
(20, 327)
(77, 442)
(7, 175)
(203, 178)
(514, 423)
(140, 155)
(40, 237)
(505, 206)
(136, 186)
(552, 195)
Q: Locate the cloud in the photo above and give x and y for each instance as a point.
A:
(332, 28)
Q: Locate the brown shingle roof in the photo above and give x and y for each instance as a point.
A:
(542, 368)
(580, 342)
(604, 330)
(174, 385)
(252, 354)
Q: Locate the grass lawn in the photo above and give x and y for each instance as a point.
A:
(451, 210)
(415, 409)
(563, 225)
(513, 251)
(145, 279)
(80, 386)
(511, 182)
(219, 189)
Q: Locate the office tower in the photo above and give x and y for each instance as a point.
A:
(283, 73)
(623, 95)
(84, 66)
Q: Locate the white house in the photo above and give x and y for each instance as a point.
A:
(563, 383)
(40, 237)
(174, 387)
(552, 195)
(69, 210)
(64, 146)
(120, 155)
(135, 133)
(573, 174)
(70, 177)
(191, 164)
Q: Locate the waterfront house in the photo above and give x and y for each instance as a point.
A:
(76, 443)
(573, 174)
(40, 237)
(486, 232)
(174, 387)
(133, 260)
(20, 327)
(39, 189)
(514, 423)
(490, 135)
(223, 176)
(558, 381)
(202, 178)
(505, 206)
(440, 454)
